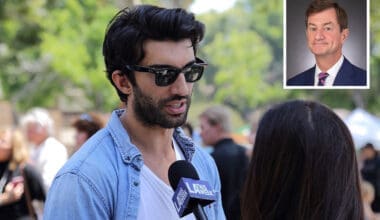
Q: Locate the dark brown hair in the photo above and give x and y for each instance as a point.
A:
(131, 27)
(89, 123)
(303, 166)
(321, 5)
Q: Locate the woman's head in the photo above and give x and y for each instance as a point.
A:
(5, 144)
(86, 126)
(12, 147)
(303, 166)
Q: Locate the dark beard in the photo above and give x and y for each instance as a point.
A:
(151, 114)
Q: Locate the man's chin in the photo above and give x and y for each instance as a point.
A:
(174, 122)
(320, 54)
(178, 123)
(320, 51)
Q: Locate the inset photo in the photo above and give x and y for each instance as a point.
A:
(326, 44)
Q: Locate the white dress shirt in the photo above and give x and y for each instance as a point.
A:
(333, 71)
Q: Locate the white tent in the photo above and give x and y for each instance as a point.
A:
(364, 127)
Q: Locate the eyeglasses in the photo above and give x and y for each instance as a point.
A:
(166, 75)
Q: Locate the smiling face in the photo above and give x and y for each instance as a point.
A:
(324, 36)
(165, 106)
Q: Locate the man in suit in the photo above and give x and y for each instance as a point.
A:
(326, 31)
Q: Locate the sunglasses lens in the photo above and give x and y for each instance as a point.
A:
(193, 73)
(165, 77)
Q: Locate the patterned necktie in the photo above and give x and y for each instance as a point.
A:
(322, 78)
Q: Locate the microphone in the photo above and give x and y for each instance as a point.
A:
(190, 193)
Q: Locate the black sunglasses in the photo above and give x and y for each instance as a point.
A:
(165, 75)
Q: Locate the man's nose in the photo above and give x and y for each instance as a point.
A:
(319, 35)
(180, 86)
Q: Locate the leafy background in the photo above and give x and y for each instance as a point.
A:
(50, 56)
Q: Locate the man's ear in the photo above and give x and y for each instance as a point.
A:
(345, 34)
(122, 82)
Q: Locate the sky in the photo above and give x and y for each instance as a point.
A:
(200, 6)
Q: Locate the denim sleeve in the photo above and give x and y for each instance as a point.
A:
(72, 196)
(208, 171)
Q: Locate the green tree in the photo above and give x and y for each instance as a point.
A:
(372, 98)
(51, 48)
(19, 37)
(51, 52)
(266, 19)
(245, 59)
(73, 40)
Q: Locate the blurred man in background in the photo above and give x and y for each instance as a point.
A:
(46, 153)
(231, 158)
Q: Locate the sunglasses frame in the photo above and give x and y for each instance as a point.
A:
(160, 75)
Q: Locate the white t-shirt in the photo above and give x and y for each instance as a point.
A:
(48, 158)
(156, 196)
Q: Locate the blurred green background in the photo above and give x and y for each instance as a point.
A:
(50, 56)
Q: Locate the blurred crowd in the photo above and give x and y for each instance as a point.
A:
(30, 157)
(369, 166)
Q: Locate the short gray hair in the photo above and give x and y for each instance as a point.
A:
(40, 116)
(218, 115)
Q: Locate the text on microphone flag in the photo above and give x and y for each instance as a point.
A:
(188, 191)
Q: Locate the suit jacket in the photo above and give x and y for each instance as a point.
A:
(348, 75)
(232, 163)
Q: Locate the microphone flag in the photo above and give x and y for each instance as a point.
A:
(190, 193)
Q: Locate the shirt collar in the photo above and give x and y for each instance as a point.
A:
(130, 152)
(333, 71)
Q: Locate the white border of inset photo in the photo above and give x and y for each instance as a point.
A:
(304, 59)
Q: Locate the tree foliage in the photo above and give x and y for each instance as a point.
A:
(53, 48)
(50, 53)
(73, 40)
(244, 58)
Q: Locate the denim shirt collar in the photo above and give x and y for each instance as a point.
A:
(130, 153)
(185, 143)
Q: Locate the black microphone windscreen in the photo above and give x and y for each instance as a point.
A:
(179, 169)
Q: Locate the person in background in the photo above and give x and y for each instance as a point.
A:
(188, 129)
(20, 182)
(251, 137)
(230, 158)
(121, 172)
(370, 171)
(368, 195)
(46, 153)
(86, 125)
(303, 166)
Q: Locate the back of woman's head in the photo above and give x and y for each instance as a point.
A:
(303, 166)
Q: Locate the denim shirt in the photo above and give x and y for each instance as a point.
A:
(102, 179)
